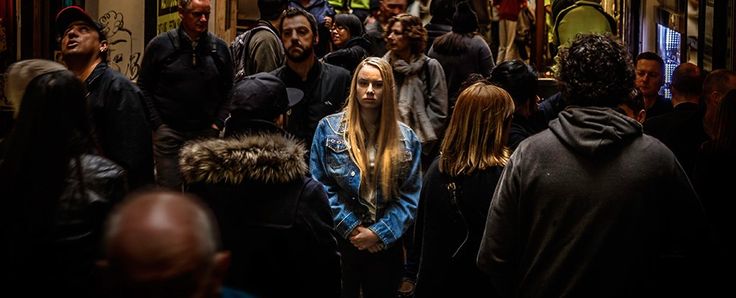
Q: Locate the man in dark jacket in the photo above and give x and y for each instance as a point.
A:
(118, 118)
(274, 219)
(682, 129)
(186, 77)
(325, 86)
(591, 207)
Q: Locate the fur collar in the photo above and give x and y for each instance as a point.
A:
(264, 158)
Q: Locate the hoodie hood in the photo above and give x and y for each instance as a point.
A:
(265, 158)
(594, 130)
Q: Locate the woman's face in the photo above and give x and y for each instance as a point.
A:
(340, 35)
(396, 39)
(369, 87)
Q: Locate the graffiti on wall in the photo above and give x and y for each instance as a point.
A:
(122, 57)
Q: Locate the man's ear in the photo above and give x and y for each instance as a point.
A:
(641, 116)
(316, 37)
(103, 46)
(280, 120)
(221, 262)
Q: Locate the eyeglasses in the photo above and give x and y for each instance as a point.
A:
(337, 28)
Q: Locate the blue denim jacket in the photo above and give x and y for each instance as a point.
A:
(331, 164)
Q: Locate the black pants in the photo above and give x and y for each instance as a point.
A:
(167, 144)
(377, 274)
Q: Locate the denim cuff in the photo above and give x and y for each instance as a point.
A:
(347, 225)
(383, 232)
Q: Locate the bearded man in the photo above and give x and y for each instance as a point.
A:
(325, 86)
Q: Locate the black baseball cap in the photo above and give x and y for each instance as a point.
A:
(71, 14)
(263, 96)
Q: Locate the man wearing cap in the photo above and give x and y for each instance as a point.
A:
(325, 85)
(118, 118)
(186, 77)
(275, 219)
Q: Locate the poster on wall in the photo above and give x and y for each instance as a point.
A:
(123, 26)
(167, 15)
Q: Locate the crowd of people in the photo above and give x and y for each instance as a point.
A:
(326, 154)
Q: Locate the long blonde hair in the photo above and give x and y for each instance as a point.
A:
(388, 141)
(477, 133)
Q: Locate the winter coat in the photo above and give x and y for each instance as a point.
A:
(274, 220)
(591, 207)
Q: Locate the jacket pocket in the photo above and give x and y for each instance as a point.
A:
(337, 156)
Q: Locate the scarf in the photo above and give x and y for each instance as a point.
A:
(412, 101)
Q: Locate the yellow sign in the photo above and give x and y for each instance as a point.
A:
(168, 15)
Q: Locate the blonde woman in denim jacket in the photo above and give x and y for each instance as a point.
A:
(351, 151)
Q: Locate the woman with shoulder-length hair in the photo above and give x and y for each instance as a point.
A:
(457, 193)
(422, 89)
(368, 162)
(56, 192)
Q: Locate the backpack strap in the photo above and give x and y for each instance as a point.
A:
(219, 61)
(240, 50)
(175, 40)
(453, 187)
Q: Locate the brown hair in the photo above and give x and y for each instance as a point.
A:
(413, 30)
(477, 133)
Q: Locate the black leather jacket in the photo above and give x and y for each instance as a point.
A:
(120, 125)
(93, 187)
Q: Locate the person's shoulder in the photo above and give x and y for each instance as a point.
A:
(279, 72)
(335, 70)
(162, 39)
(334, 120)
(101, 167)
(119, 82)
(262, 33)
(407, 133)
(433, 63)
(540, 140)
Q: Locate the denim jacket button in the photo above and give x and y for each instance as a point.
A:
(352, 173)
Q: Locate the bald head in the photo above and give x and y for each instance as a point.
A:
(158, 238)
(687, 80)
(715, 87)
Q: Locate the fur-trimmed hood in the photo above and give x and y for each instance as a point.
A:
(265, 158)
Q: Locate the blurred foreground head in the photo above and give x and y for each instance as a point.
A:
(163, 244)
